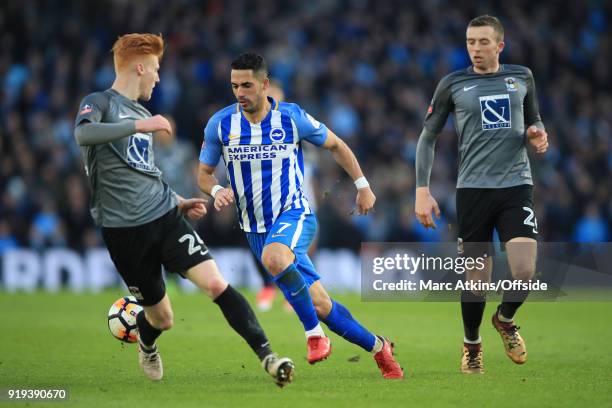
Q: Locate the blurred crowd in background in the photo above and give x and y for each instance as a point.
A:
(367, 69)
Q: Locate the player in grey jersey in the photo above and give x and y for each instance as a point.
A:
(142, 219)
(496, 116)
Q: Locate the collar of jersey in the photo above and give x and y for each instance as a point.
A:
(273, 104)
(115, 92)
(501, 69)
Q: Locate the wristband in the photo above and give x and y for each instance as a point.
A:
(215, 190)
(361, 182)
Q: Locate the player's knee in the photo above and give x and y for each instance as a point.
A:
(322, 306)
(215, 287)
(323, 310)
(480, 295)
(166, 324)
(165, 321)
(275, 261)
(523, 272)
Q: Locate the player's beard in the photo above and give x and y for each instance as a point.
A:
(253, 108)
(480, 64)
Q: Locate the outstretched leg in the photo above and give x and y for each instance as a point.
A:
(339, 320)
(241, 318)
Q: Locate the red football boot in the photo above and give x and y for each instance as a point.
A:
(319, 348)
(389, 368)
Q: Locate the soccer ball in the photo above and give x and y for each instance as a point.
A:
(122, 319)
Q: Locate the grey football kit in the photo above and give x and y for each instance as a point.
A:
(127, 186)
(141, 224)
(491, 115)
(143, 227)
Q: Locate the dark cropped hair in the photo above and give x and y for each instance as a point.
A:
(489, 21)
(251, 60)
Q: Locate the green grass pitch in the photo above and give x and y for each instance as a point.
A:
(61, 340)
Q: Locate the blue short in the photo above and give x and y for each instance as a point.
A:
(295, 229)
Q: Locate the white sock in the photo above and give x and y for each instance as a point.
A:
(503, 319)
(477, 341)
(315, 331)
(378, 345)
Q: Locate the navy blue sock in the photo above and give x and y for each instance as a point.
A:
(341, 322)
(293, 286)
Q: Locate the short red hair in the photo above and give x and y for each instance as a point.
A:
(132, 45)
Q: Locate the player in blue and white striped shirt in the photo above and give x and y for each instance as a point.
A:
(261, 143)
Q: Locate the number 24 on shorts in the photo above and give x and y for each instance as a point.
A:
(531, 219)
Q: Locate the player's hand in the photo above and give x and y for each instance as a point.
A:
(365, 200)
(193, 208)
(538, 138)
(424, 205)
(223, 198)
(153, 124)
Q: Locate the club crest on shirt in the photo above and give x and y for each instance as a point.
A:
(138, 151)
(277, 135)
(511, 84)
(495, 111)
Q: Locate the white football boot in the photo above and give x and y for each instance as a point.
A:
(280, 368)
(150, 361)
